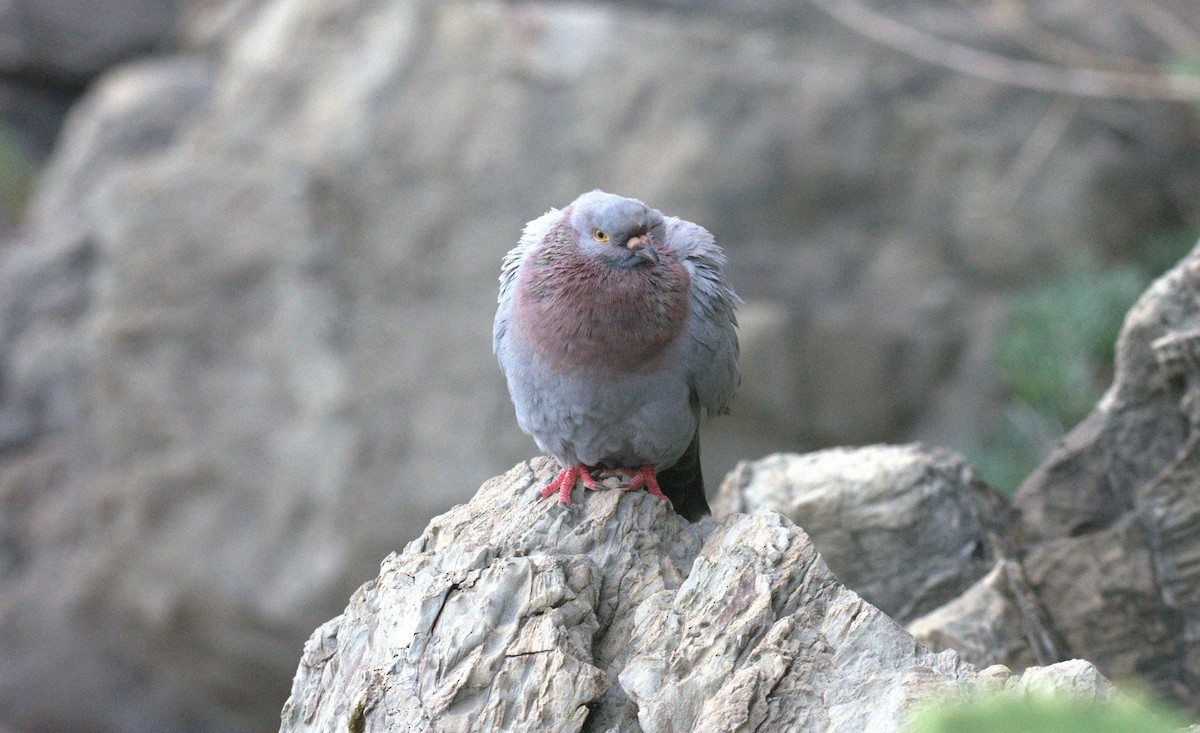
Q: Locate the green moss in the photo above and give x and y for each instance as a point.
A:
(1007, 714)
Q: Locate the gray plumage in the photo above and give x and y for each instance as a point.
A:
(613, 349)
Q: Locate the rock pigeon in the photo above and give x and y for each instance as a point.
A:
(615, 331)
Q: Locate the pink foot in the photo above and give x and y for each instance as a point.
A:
(565, 481)
(644, 476)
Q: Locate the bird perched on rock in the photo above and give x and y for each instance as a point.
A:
(615, 331)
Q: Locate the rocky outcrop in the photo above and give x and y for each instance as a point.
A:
(1100, 561)
(917, 534)
(513, 613)
(906, 527)
(998, 620)
(1113, 516)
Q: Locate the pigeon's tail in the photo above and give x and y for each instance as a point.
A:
(683, 483)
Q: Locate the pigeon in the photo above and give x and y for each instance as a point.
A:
(616, 331)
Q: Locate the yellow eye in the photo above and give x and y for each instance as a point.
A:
(600, 235)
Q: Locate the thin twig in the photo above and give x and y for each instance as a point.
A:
(1038, 146)
(1058, 48)
(1005, 70)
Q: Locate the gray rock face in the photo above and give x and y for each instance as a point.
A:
(998, 620)
(1113, 513)
(906, 527)
(916, 533)
(77, 39)
(50, 49)
(511, 613)
(1103, 562)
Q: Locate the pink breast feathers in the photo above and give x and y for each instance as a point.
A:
(581, 314)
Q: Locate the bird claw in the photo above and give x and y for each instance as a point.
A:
(645, 476)
(565, 481)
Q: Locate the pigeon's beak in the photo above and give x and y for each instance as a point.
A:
(640, 246)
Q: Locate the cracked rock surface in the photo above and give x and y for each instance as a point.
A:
(916, 532)
(907, 526)
(1113, 516)
(513, 613)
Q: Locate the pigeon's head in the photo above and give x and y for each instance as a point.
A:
(616, 231)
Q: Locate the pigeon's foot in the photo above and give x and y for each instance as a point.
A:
(645, 476)
(565, 481)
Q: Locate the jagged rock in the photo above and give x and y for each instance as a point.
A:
(1113, 516)
(1075, 678)
(916, 533)
(512, 613)
(996, 621)
(907, 527)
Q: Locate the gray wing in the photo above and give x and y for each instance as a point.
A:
(712, 350)
(533, 233)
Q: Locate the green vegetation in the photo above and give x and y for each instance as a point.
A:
(16, 176)
(1058, 347)
(1007, 714)
(1056, 354)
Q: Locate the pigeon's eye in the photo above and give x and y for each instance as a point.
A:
(600, 235)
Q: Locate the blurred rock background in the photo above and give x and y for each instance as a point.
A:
(248, 264)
